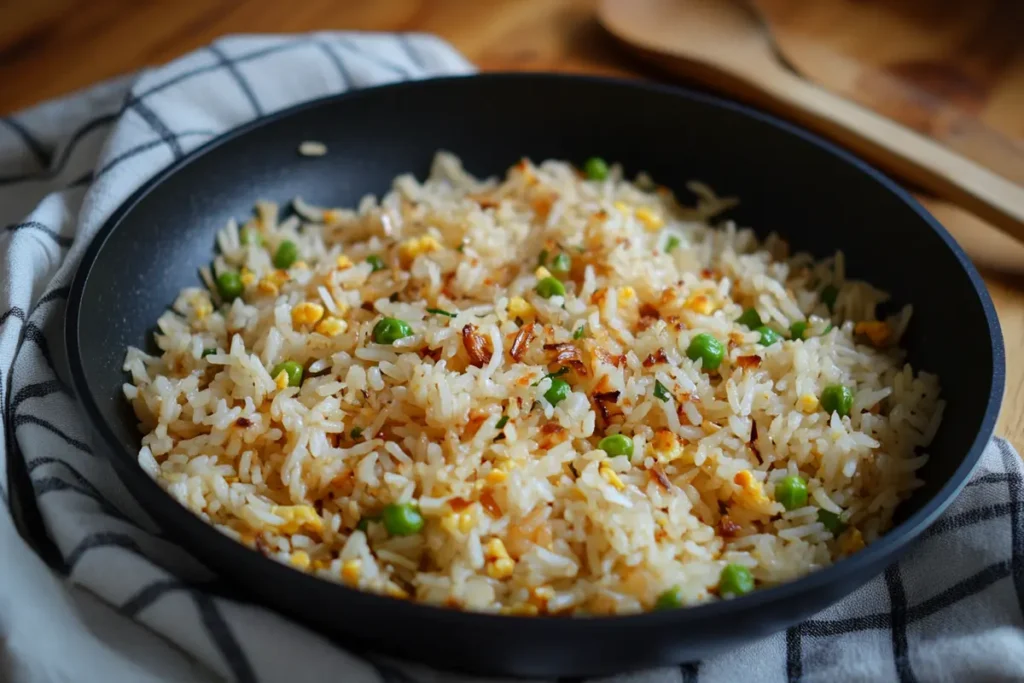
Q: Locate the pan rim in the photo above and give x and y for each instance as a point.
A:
(886, 549)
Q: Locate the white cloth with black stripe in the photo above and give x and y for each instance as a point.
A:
(107, 607)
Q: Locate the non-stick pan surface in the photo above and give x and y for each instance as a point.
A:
(817, 197)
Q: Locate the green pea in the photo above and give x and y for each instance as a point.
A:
(750, 318)
(768, 335)
(251, 237)
(671, 243)
(390, 330)
(829, 295)
(292, 369)
(798, 329)
(402, 519)
(596, 168)
(287, 253)
(616, 445)
(706, 348)
(558, 390)
(549, 287)
(229, 285)
(833, 522)
(837, 398)
(561, 264)
(791, 491)
(376, 262)
(735, 580)
(670, 599)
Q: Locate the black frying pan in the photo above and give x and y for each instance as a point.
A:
(816, 196)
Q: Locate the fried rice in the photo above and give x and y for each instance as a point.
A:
(455, 460)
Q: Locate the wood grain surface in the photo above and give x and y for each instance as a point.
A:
(50, 47)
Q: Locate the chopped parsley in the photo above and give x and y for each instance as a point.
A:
(208, 352)
(660, 391)
(502, 422)
(671, 243)
(356, 432)
(543, 258)
(438, 311)
(580, 331)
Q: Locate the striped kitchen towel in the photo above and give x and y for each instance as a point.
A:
(90, 590)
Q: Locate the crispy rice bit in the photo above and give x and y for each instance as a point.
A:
(521, 342)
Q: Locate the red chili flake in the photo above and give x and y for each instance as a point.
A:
(458, 504)
(521, 343)
(477, 346)
(489, 504)
(747, 362)
(655, 358)
(728, 528)
(243, 422)
(660, 477)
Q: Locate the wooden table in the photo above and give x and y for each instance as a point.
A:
(49, 47)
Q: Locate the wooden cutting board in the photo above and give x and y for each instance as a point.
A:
(951, 69)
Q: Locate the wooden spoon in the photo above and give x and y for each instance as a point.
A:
(723, 44)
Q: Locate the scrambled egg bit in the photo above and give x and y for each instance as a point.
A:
(410, 249)
(751, 493)
(297, 517)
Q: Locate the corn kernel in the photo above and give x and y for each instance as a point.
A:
(626, 295)
(699, 303)
(450, 523)
(267, 286)
(410, 249)
(518, 307)
(495, 549)
(542, 272)
(501, 568)
(875, 330)
(343, 262)
(351, 570)
(202, 308)
(651, 220)
(331, 326)
(300, 559)
(278, 277)
(609, 475)
(808, 403)
(247, 276)
(852, 541)
(307, 313)
(467, 520)
(496, 477)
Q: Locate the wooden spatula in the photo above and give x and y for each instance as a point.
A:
(723, 44)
